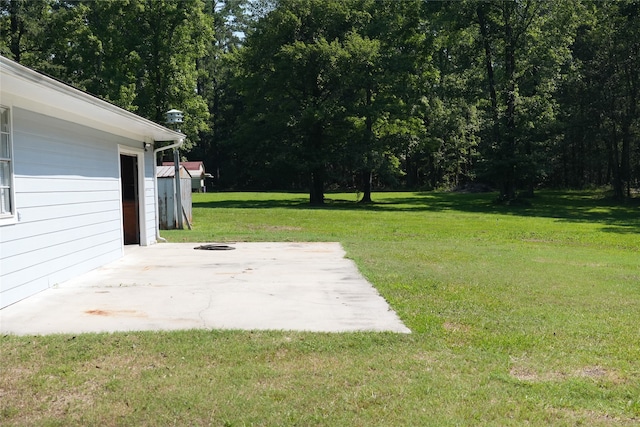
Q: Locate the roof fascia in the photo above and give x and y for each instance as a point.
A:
(30, 89)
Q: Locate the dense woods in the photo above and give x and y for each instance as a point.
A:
(316, 95)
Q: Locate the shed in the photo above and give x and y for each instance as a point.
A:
(167, 206)
(197, 172)
(77, 181)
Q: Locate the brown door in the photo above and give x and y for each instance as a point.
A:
(129, 182)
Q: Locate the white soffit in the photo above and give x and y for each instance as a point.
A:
(22, 87)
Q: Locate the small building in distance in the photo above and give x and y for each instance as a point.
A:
(197, 172)
(167, 206)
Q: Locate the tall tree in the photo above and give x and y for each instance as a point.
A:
(138, 54)
(23, 25)
(292, 84)
(524, 45)
(388, 68)
(231, 20)
(600, 99)
(447, 156)
(174, 34)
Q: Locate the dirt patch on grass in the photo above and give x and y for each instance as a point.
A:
(456, 327)
(274, 227)
(592, 418)
(572, 263)
(529, 375)
(600, 373)
(522, 373)
(592, 372)
(52, 397)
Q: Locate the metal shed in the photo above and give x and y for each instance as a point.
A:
(167, 196)
(197, 172)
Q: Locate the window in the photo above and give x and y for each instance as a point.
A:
(6, 168)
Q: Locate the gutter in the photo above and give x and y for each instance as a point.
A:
(23, 82)
(177, 143)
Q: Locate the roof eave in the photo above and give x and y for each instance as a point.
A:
(28, 87)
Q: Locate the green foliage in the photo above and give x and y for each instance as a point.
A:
(525, 44)
(23, 27)
(317, 86)
(294, 64)
(323, 94)
(138, 54)
(600, 100)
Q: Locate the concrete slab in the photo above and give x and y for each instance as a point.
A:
(169, 286)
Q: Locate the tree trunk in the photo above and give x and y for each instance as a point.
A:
(625, 159)
(510, 101)
(16, 26)
(488, 59)
(614, 159)
(316, 192)
(367, 177)
(367, 173)
(506, 176)
(627, 132)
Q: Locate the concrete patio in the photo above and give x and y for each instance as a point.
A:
(169, 286)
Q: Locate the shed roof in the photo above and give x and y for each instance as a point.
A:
(167, 171)
(25, 88)
(194, 165)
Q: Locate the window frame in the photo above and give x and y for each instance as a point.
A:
(10, 216)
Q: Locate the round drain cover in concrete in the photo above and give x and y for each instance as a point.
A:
(215, 247)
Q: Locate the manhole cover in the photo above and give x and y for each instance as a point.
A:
(215, 247)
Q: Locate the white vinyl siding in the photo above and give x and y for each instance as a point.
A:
(67, 202)
(62, 212)
(6, 165)
(148, 198)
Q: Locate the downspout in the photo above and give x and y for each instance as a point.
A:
(176, 163)
(176, 144)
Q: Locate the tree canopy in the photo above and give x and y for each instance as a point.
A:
(360, 94)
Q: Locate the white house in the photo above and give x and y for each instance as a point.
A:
(77, 181)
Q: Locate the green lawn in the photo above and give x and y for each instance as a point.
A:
(520, 315)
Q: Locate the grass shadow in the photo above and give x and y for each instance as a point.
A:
(571, 206)
(293, 203)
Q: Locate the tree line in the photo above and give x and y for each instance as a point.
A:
(318, 95)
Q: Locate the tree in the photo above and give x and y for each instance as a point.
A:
(292, 84)
(355, 93)
(524, 45)
(448, 156)
(387, 70)
(173, 35)
(138, 54)
(232, 20)
(600, 99)
(23, 25)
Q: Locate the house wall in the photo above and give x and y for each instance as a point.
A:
(68, 201)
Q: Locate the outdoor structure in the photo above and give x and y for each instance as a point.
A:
(167, 206)
(77, 181)
(197, 172)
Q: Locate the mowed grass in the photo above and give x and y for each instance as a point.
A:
(520, 315)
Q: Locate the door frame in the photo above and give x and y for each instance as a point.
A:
(142, 208)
